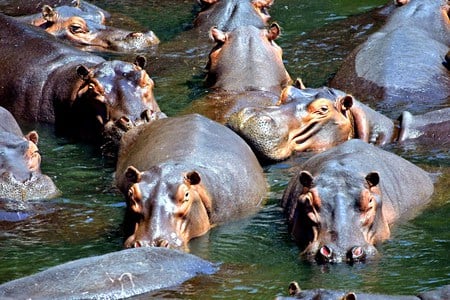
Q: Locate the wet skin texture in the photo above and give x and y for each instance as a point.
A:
(179, 180)
(20, 173)
(45, 80)
(317, 119)
(342, 202)
(402, 65)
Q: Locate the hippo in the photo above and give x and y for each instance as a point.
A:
(76, 91)
(227, 15)
(316, 119)
(179, 180)
(402, 65)
(244, 68)
(20, 166)
(116, 275)
(86, 29)
(341, 203)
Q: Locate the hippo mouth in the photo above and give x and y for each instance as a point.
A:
(38, 186)
(301, 137)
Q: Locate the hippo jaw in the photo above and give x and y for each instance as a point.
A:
(166, 214)
(37, 186)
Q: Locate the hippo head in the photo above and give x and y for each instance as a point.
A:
(87, 29)
(335, 224)
(20, 174)
(295, 125)
(245, 59)
(109, 91)
(165, 210)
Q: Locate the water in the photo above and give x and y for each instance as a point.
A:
(258, 258)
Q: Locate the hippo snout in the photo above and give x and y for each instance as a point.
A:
(332, 254)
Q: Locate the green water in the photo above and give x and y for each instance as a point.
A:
(258, 257)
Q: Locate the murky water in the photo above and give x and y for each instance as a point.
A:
(258, 257)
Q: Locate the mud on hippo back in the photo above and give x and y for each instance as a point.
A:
(402, 66)
(20, 173)
(316, 119)
(342, 202)
(183, 175)
(84, 27)
(45, 80)
(245, 68)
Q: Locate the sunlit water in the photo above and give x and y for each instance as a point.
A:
(258, 258)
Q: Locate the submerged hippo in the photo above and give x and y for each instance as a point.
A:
(316, 119)
(20, 165)
(403, 65)
(244, 68)
(45, 80)
(115, 275)
(28, 7)
(86, 29)
(342, 202)
(227, 15)
(183, 175)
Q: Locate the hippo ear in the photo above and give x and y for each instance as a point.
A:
(76, 3)
(133, 175)
(274, 32)
(218, 35)
(346, 102)
(350, 296)
(33, 137)
(373, 178)
(48, 13)
(193, 178)
(306, 179)
(298, 83)
(140, 61)
(83, 72)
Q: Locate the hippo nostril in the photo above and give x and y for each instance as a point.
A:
(356, 254)
(137, 244)
(325, 254)
(161, 243)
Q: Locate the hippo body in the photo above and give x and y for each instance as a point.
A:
(115, 275)
(21, 178)
(77, 91)
(402, 65)
(343, 201)
(29, 7)
(316, 119)
(195, 173)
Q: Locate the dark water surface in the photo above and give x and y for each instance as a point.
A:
(258, 257)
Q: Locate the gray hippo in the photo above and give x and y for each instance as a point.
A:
(183, 175)
(316, 119)
(45, 80)
(85, 29)
(342, 202)
(402, 65)
(20, 173)
(245, 68)
(115, 275)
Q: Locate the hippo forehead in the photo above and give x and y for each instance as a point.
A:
(159, 181)
(114, 68)
(65, 12)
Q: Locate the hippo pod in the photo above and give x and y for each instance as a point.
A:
(48, 81)
(20, 174)
(309, 119)
(183, 175)
(84, 28)
(115, 275)
(342, 202)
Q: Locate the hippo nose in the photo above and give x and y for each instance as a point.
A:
(325, 255)
(356, 254)
(155, 243)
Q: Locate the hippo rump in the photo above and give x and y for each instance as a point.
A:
(183, 175)
(316, 119)
(115, 275)
(402, 65)
(20, 174)
(28, 7)
(227, 15)
(45, 80)
(86, 29)
(245, 68)
(342, 202)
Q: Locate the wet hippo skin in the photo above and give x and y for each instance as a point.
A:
(342, 202)
(79, 92)
(183, 175)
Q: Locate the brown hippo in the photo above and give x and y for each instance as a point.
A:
(20, 173)
(402, 66)
(28, 7)
(45, 80)
(183, 175)
(86, 29)
(227, 15)
(244, 68)
(315, 119)
(342, 202)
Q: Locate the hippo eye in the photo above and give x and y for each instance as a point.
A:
(75, 28)
(186, 197)
(323, 109)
